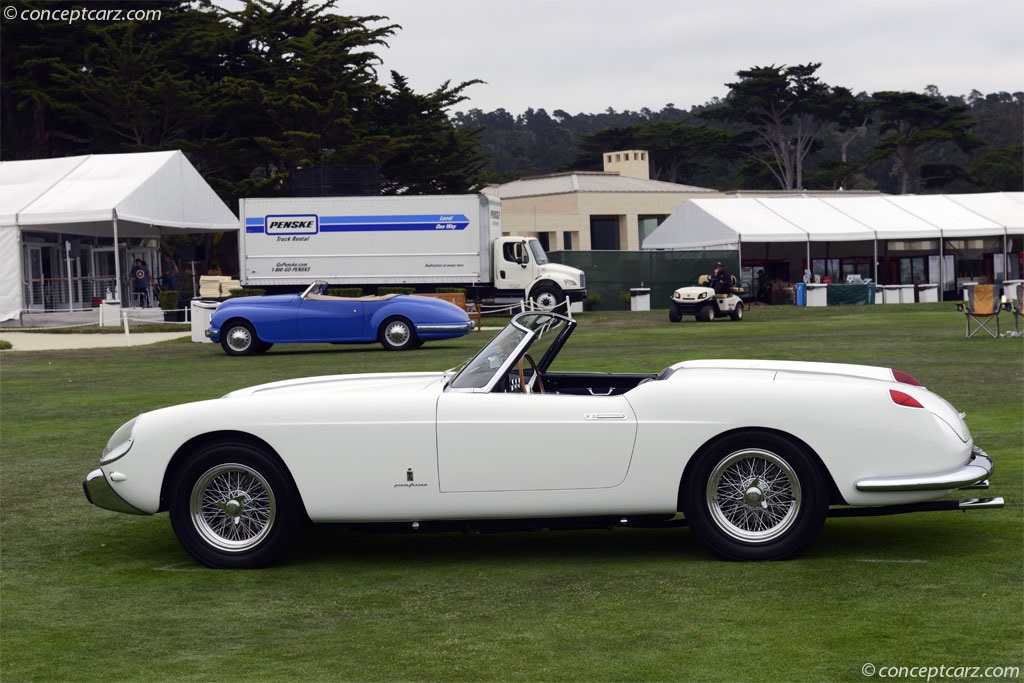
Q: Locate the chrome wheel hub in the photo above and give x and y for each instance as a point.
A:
(754, 496)
(398, 334)
(239, 338)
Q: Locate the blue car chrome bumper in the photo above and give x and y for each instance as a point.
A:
(447, 327)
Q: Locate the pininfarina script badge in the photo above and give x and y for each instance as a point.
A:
(410, 481)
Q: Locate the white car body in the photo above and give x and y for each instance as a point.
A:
(421, 447)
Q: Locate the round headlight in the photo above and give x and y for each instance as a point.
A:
(119, 443)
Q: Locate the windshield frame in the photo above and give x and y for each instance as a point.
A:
(316, 287)
(504, 350)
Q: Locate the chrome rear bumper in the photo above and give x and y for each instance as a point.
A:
(976, 470)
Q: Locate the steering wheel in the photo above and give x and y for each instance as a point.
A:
(523, 386)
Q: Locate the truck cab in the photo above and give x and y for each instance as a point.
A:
(521, 268)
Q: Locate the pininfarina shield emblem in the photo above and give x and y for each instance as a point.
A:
(409, 475)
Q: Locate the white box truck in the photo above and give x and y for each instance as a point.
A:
(425, 241)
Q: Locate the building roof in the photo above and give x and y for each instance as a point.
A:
(589, 181)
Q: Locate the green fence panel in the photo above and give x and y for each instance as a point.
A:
(611, 274)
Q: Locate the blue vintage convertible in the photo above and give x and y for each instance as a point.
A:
(248, 325)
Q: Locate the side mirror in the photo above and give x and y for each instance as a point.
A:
(519, 253)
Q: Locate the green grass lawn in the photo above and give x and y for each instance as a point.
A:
(90, 595)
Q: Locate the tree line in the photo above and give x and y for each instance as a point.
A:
(780, 128)
(253, 92)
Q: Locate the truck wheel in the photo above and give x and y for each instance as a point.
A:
(547, 298)
(398, 334)
(674, 314)
(706, 314)
(737, 313)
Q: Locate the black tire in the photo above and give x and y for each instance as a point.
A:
(398, 334)
(706, 314)
(234, 506)
(674, 314)
(755, 496)
(547, 298)
(737, 313)
(238, 338)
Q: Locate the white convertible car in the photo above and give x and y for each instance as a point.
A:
(507, 442)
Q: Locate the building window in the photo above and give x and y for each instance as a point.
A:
(567, 240)
(647, 225)
(604, 233)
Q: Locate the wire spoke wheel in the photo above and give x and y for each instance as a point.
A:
(232, 507)
(753, 496)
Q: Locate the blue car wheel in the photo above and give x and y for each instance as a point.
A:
(238, 338)
(398, 334)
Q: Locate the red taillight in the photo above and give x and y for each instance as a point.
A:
(904, 378)
(905, 400)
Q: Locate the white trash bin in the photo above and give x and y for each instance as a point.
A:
(110, 313)
(201, 311)
(640, 299)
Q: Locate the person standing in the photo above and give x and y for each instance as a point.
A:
(141, 280)
(169, 273)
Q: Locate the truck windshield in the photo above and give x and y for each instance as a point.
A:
(538, 252)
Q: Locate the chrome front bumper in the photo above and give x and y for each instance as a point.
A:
(969, 475)
(448, 327)
(99, 492)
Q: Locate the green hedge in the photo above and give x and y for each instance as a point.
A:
(247, 291)
(347, 292)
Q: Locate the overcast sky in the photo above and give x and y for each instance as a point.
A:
(584, 56)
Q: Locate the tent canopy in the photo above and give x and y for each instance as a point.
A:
(149, 194)
(728, 222)
(142, 195)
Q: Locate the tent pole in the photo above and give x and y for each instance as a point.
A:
(117, 261)
(942, 266)
(876, 259)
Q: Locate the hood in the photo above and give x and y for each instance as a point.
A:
(401, 382)
(561, 272)
(248, 300)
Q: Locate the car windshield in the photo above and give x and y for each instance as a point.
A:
(317, 287)
(539, 333)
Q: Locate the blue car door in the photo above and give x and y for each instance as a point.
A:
(331, 321)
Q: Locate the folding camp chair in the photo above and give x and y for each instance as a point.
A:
(981, 306)
(1017, 308)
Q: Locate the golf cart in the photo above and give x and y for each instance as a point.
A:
(702, 302)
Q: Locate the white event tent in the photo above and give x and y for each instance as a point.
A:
(729, 223)
(115, 196)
